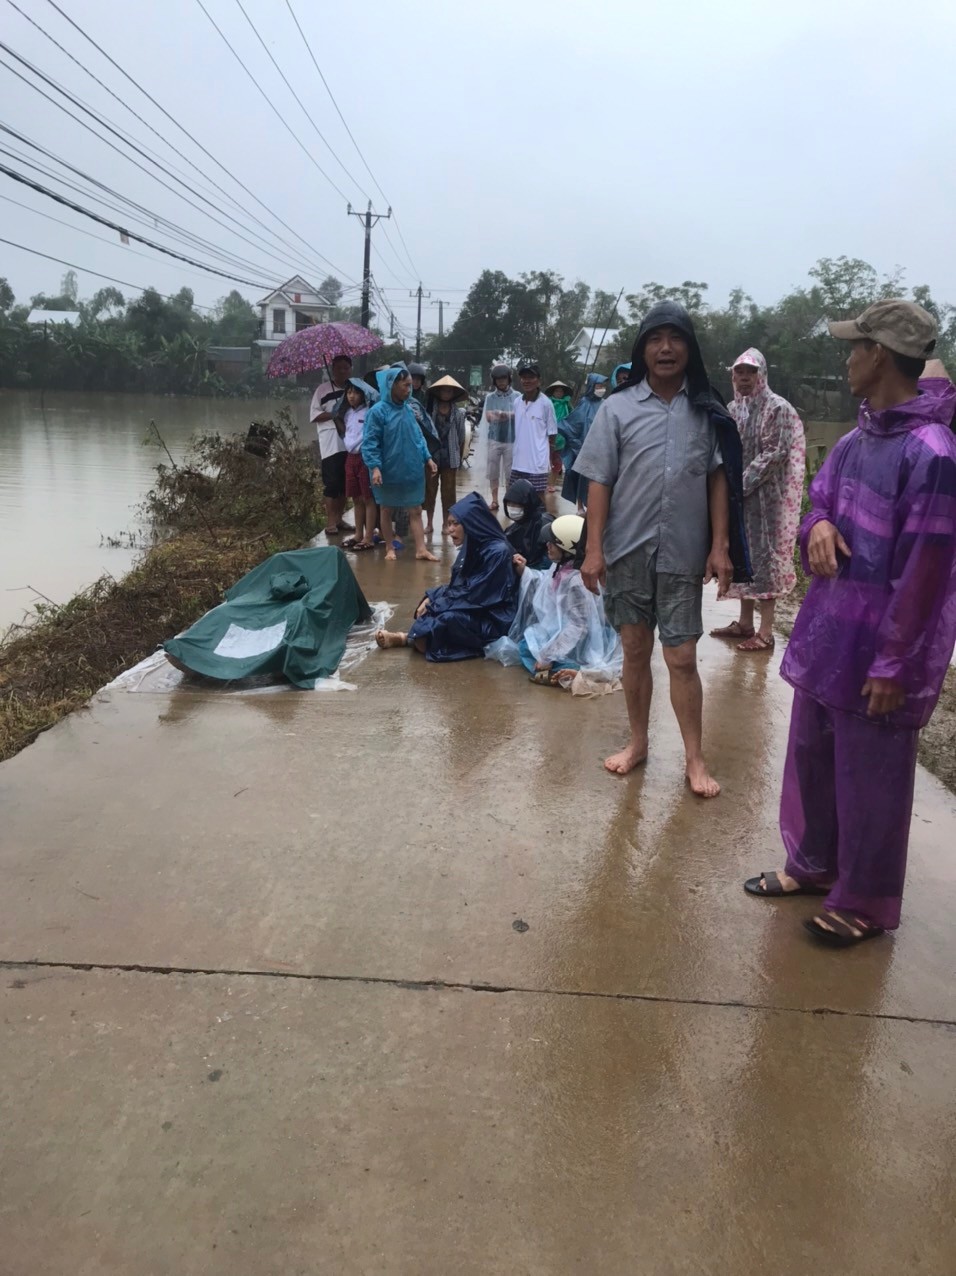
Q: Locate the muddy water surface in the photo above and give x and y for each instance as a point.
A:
(72, 472)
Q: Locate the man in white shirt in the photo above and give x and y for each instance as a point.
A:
(331, 444)
(535, 426)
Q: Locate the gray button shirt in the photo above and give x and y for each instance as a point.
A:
(655, 456)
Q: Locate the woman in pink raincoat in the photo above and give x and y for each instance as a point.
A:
(774, 469)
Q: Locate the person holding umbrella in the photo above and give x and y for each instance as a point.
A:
(332, 444)
(449, 420)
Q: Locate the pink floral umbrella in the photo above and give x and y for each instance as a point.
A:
(315, 347)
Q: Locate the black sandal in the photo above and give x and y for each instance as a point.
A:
(773, 887)
(844, 933)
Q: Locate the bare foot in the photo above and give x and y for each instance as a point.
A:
(390, 556)
(700, 780)
(425, 556)
(631, 756)
(386, 639)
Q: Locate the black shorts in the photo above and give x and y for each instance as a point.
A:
(333, 475)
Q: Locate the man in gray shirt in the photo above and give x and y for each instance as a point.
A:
(659, 523)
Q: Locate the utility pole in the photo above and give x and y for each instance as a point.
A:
(418, 332)
(441, 316)
(370, 219)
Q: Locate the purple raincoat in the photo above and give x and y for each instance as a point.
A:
(889, 486)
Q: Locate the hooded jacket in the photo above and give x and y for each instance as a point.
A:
(621, 367)
(575, 430)
(524, 536)
(702, 395)
(479, 602)
(889, 487)
(394, 444)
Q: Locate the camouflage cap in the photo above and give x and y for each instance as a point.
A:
(899, 325)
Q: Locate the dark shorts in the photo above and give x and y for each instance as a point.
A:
(638, 594)
(538, 481)
(333, 475)
(358, 485)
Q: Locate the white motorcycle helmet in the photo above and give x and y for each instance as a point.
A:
(566, 532)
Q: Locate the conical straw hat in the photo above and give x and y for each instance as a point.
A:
(447, 383)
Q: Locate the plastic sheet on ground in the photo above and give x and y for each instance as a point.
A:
(155, 674)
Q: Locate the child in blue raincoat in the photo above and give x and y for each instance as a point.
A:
(394, 449)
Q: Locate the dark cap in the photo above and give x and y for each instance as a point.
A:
(529, 365)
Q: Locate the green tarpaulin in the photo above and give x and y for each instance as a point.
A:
(290, 615)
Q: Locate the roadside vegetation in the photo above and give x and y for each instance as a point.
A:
(208, 521)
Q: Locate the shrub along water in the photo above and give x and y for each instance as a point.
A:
(213, 519)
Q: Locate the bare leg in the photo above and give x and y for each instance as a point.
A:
(747, 613)
(687, 697)
(386, 530)
(418, 535)
(638, 683)
(767, 609)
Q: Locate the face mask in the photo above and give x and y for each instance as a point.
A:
(600, 391)
(515, 512)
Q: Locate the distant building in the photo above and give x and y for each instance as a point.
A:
(289, 308)
(589, 341)
(230, 362)
(70, 317)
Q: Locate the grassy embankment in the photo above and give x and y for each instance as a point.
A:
(212, 519)
(937, 746)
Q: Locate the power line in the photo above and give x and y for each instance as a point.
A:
(272, 106)
(321, 135)
(146, 124)
(86, 212)
(99, 274)
(80, 230)
(271, 212)
(94, 115)
(415, 271)
(154, 219)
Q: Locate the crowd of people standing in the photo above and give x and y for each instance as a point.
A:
(673, 488)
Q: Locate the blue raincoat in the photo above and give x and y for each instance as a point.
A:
(621, 367)
(479, 602)
(575, 430)
(394, 444)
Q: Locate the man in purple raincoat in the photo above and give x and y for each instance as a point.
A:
(875, 634)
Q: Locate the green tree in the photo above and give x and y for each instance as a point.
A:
(6, 296)
(235, 321)
(331, 289)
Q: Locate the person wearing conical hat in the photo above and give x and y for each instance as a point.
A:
(444, 396)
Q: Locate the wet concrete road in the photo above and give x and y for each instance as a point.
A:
(445, 997)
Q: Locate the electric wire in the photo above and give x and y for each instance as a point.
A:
(272, 106)
(154, 219)
(98, 273)
(209, 155)
(358, 149)
(86, 212)
(81, 230)
(77, 102)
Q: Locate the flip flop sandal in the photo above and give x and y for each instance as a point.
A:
(349, 543)
(734, 630)
(553, 678)
(756, 643)
(773, 887)
(360, 547)
(844, 934)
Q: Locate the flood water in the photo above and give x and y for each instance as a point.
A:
(72, 472)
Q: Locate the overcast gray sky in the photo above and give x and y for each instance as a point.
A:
(614, 142)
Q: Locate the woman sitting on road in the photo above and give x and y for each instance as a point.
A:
(457, 621)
